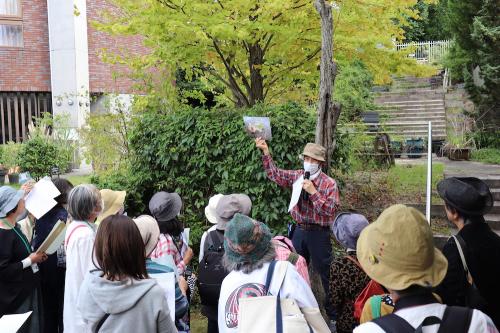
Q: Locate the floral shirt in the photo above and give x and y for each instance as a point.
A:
(347, 281)
(168, 246)
(321, 207)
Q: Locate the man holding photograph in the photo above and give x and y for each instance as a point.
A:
(315, 211)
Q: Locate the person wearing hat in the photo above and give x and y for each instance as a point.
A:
(210, 215)
(248, 253)
(220, 210)
(114, 203)
(314, 211)
(347, 279)
(397, 251)
(19, 277)
(165, 207)
(466, 201)
(150, 233)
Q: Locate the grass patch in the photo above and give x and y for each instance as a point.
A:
(409, 181)
(198, 321)
(77, 180)
(487, 155)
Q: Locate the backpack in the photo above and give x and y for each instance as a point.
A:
(211, 272)
(372, 289)
(455, 320)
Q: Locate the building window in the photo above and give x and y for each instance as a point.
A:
(11, 23)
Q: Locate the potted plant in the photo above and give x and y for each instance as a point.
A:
(10, 160)
(459, 144)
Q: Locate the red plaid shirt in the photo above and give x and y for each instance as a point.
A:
(166, 246)
(321, 207)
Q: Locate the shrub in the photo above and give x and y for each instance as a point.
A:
(38, 156)
(487, 155)
(199, 153)
(10, 155)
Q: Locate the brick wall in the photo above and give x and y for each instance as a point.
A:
(28, 68)
(105, 77)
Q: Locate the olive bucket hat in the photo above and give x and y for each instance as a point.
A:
(315, 151)
(397, 250)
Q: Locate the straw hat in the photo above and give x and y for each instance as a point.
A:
(113, 202)
(397, 250)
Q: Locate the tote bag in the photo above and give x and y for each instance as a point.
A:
(275, 314)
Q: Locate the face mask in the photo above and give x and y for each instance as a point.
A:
(312, 168)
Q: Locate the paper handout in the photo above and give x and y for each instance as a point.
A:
(167, 283)
(186, 235)
(12, 323)
(296, 191)
(258, 127)
(54, 239)
(41, 198)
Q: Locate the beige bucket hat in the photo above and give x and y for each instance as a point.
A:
(397, 250)
(113, 202)
(315, 151)
(150, 232)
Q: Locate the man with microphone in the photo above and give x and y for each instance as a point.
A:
(315, 210)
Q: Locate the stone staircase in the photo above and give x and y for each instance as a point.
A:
(406, 109)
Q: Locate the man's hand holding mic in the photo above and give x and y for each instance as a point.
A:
(309, 187)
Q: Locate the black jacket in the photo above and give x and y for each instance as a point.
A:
(483, 259)
(16, 283)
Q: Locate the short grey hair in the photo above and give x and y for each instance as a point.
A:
(247, 267)
(83, 201)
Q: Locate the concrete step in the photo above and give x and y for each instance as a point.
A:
(410, 97)
(496, 193)
(493, 220)
(417, 104)
(441, 135)
(412, 108)
(493, 181)
(416, 123)
(409, 92)
(411, 117)
(427, 114)
(405, 100)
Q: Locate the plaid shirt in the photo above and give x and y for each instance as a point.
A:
(283, 252)
(321, 207)
(166, 246)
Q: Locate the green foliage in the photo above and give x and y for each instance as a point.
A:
(430, 24)
(474, 25)
(353, 90)
(409, 181)
(199, 153)
(105, 139)
(10, 155)
(38, 156)
(487, 155)
(267, 51)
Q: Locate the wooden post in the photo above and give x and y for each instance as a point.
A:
(328, 111)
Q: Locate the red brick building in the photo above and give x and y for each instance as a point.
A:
(44, 49)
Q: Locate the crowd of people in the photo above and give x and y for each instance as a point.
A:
(387, 277)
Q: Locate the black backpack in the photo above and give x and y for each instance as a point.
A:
(211, 272)
(455, 320)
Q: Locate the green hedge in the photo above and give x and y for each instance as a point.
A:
(199, 153)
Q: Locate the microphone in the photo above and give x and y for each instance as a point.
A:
(305, 195)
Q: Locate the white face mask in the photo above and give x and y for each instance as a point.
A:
(312, 168)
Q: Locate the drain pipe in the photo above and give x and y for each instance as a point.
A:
(429, 175)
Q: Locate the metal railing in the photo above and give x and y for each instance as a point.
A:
(430, 52)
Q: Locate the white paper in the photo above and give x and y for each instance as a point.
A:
(167, 260)
(186, 235)
(296, 191)
(56, 242)
(41, 198)
(12, 323)
(167, 283)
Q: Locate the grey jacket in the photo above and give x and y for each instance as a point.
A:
(134, 305)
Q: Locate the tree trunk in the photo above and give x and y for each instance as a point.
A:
(328, 111)
(255, 61)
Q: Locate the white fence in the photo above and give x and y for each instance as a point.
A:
(426, 52)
